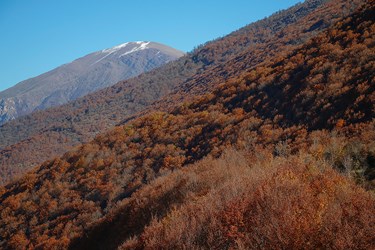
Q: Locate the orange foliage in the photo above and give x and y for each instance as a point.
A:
(157, 178)
(33, 139)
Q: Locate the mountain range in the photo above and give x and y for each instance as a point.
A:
(263, 139)
(83, 76)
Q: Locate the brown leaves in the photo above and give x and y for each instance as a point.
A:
(279, 204)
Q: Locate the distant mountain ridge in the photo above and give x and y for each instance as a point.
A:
(83, 76)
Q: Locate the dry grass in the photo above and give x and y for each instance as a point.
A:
(256, 201)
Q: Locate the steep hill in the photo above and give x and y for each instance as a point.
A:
(24, 141)
(251, 164)
(83, 76)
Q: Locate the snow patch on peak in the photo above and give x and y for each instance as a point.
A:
(110, 51)
(141, 42)
(114, 49)
(139, 45)
(142, 46)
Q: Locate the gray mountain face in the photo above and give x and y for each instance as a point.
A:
(85, 75)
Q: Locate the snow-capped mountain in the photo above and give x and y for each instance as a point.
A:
(85, 75)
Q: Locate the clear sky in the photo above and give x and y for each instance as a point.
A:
(39, 35)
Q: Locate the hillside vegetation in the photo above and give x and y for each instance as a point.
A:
(33, 139)
(281, 156)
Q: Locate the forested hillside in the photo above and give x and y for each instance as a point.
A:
(276, 157)
(30, 140)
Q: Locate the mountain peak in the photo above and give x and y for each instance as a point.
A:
(141, 44)
(82, 76)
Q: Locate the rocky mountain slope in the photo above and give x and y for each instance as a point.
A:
(23, 141)
(83, 76)
(270, 159)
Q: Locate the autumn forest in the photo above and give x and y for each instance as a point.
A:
(262, 139)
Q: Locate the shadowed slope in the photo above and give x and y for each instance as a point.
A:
(24, 141)
(105, 184)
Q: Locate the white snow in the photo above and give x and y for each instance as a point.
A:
(109, 51)
(142, 46)
(102, 58)
(114, 49)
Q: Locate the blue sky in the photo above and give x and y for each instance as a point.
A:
(39, 35)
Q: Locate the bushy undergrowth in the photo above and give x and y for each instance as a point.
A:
(242, 201)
